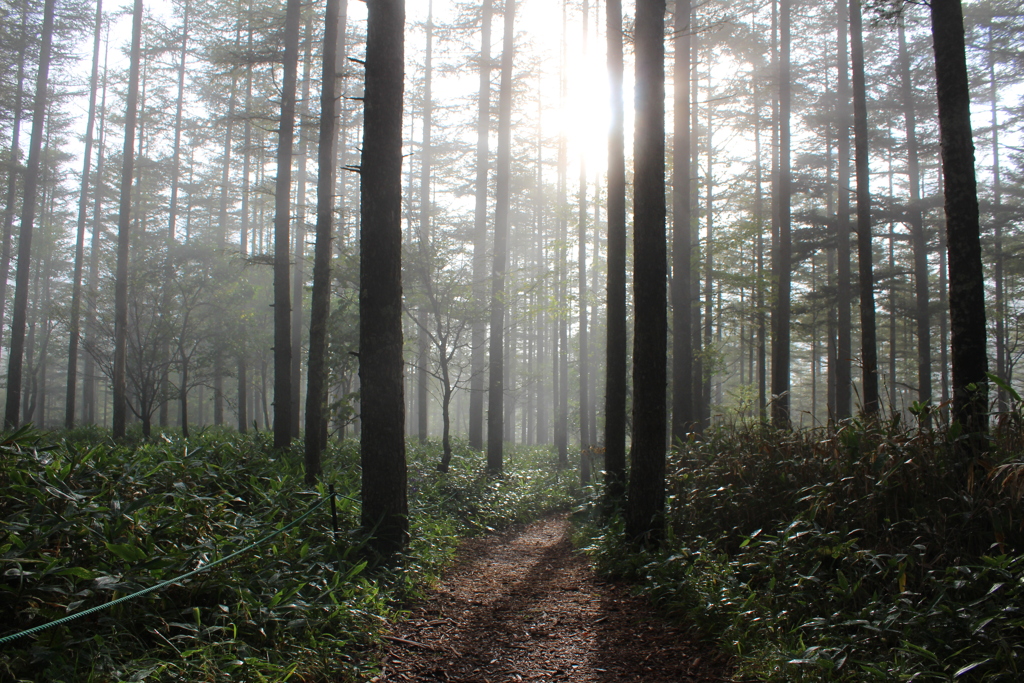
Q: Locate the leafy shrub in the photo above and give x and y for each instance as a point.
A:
(865, 553)
(86, 520)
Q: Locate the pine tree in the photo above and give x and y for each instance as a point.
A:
(385, 508)
(83, 208)
(120, 407)
(866, 280)
(283, 409)
(782, 259)
(319, 309)
(615, 368)
(646, 492)
(476, 395)
(963, 241)
(496, 388)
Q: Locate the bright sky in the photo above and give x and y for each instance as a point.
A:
(539, 28)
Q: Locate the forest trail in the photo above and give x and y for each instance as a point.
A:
(522, 606)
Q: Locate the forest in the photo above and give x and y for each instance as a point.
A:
(301, 302)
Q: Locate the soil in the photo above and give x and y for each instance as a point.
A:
(523, 606)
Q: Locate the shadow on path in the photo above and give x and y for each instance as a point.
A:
(523, 607)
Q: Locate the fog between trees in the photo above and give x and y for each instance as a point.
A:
(803, 197)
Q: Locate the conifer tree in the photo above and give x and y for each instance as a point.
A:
(120, 407)
(646, 492)
(616, 363)
(283, 408)
(963, 240)
(496, 388)
(385, 508)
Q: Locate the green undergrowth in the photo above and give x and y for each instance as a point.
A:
(86, 521)
(857, 554)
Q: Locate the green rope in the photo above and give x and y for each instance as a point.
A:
(164, 584)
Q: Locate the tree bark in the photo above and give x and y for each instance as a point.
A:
(581, 258)
(120, 403)
(868, 343)
(696, 310)
(615, 384)
(88, 380)
(172, 210)
(966, 277)
(915, 218)
(422, 338)
(385, 506)
(28, 214)
(15, 170)
(682, 249)
(299, 263)
(478, 352)
(496, 388)
(282, 239)
(781, 263)
(319, 308)
(759, 295)
(243, 228)
(222, 231)
(645, 513)
(844, 336)
(1002, 366)
(74, 332)
(709, 186)
(543, 409)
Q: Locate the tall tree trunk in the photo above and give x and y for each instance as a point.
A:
(844, 336)
(595, 283)
(320, 305)
(615, 384)
(28, 214)
(38, 303)
(759, 297)
(943, 330)
(88, 380)
(709, 186)
(581, 238)
(696, 310)
(299, 267)
(496, 387)
(781, 263)
(561, 370)
(385, 508)
(28, 394)
(222, 230)
(479, 336)
(963, 241)
(645, 508)
(409, 326)
(243, 227)
(915, 218)
(172, 210)
(282, 238)
(893, 389)
(120, 402)
(15, 169)
(422, 338)
(543, 409)
(682, 251)
(868, 343)
(74, 332)
(1002, 366)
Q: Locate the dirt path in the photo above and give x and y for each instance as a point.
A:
(524, 607)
